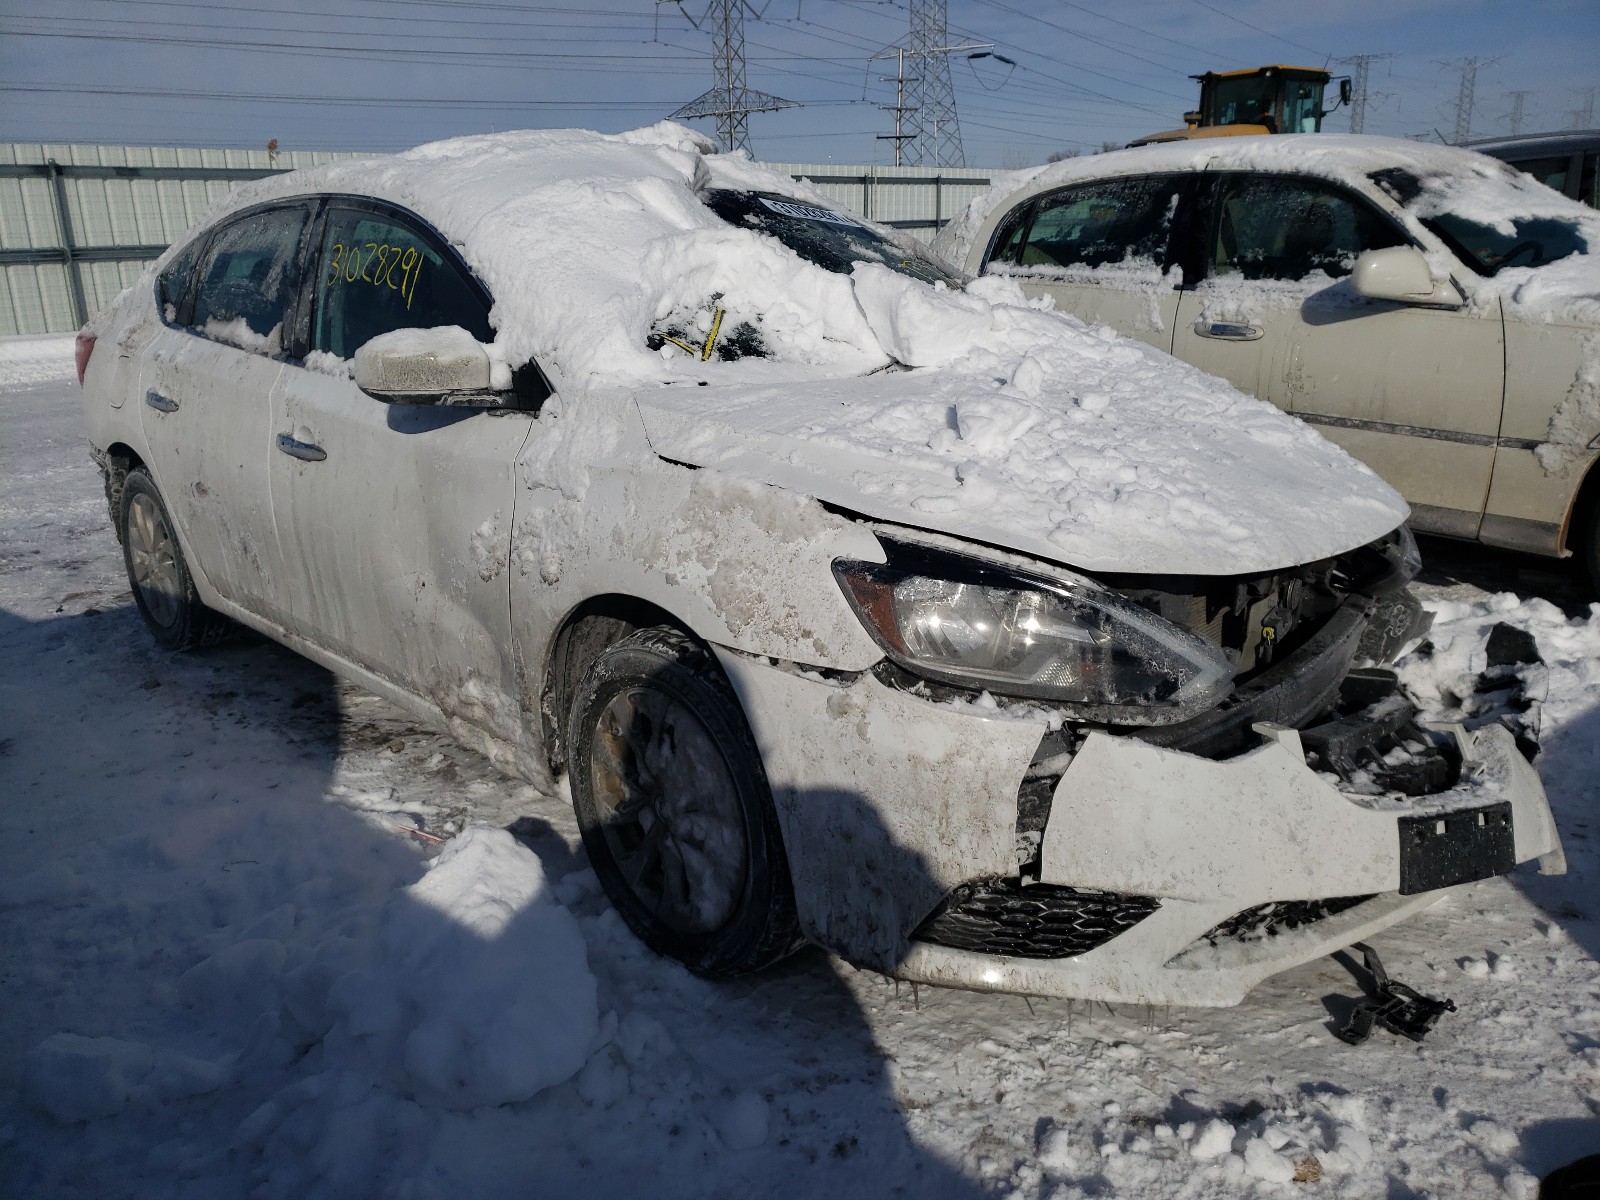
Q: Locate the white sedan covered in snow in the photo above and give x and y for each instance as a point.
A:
(917, 621)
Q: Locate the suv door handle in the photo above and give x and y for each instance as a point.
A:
(1228, 331)
(159, 402)
(304, 451)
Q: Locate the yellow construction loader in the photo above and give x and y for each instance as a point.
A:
(1276, 99)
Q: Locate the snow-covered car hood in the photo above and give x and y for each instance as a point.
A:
(1023, 428)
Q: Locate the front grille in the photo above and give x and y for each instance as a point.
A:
(1269, 920)
(1000, 916)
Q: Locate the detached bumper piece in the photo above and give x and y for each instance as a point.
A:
(1000, 916)
(1398, 1008)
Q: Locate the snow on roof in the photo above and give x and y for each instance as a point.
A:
(1027, 429)
(1457, 180)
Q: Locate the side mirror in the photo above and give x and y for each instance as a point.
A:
(1401, 274)
(443, 365)
(1345, 91)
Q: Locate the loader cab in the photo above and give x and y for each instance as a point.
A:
(1277, 99)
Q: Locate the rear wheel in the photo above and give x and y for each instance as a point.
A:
(674, 806)
(157, 573)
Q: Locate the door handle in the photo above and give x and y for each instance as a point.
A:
(1227, 331)
(159, 402)
(304, 451)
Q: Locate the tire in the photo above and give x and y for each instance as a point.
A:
(674, 807)
(1588, 548)
(158, 576)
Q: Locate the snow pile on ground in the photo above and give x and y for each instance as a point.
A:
(480, 992)
(36, 358)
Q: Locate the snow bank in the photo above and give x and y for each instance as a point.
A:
(28, 360)
(480, 992)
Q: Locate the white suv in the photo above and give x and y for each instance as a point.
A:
(917, 622)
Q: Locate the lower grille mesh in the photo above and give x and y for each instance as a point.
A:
(1269, 920)
(1000, 916)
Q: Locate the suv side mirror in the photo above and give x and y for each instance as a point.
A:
(1401, 274)
(443, 365)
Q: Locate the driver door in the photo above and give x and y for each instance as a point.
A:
(1413, 392)
(397, 518)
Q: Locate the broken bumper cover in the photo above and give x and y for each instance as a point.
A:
(890, 802)
(1223, 844)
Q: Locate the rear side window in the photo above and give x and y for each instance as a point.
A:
(380, 274)
(1112, 221)
(174, 286)
(1281, 227)
(247, 280)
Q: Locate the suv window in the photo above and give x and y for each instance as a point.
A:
(1281, 227)
(379, 274)
(174, 286)
(1091, 225)
(246, 280)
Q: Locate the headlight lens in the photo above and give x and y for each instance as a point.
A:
(1090, 650)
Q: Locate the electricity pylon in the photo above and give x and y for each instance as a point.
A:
(1469, 78)
(1358, 87)
(1519, 100)
(730, 101)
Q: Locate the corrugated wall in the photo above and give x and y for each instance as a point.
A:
(112, 217)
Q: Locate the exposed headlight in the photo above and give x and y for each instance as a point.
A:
(966, 623)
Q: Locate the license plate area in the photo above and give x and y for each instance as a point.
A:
(1444, 850)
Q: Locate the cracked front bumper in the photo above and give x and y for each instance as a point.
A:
(888, 802)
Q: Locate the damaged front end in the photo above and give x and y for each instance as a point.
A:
(1225, 779)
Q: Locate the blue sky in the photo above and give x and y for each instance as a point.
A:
(384, 74)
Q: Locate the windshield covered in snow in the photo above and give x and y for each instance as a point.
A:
(832, 240)
(1486, 246)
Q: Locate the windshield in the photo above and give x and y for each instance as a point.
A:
(1486, 241)
(831, 240)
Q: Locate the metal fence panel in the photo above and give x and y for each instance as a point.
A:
(78, 223)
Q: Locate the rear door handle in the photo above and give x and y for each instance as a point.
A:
(304, 451)
(159, 402)
(1228, 331)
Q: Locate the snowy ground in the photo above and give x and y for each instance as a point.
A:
(222, 976)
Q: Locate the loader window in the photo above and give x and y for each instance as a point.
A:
(1111, 221)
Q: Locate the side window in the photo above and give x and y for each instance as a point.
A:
(1281, 227)
(1095, 224)
(379, 274)
(174, 290)
(246, 280)
(1552, 172)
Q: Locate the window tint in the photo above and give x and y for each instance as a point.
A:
(1092, 225)
(1279, 227)
(246, 282)
(379, 274)
(173, 291)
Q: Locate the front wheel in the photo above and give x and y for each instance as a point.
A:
(674, 807)
(159, 577)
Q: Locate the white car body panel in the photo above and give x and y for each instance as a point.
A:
(435, 556)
